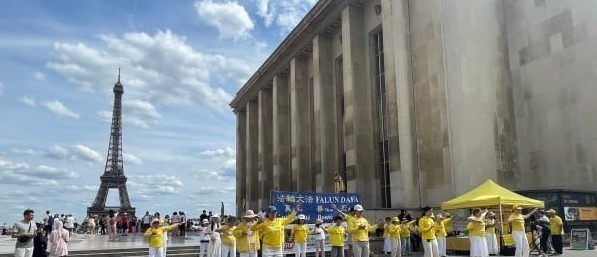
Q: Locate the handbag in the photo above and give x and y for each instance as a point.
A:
(24, 239)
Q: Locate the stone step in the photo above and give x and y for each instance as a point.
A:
(174, 251)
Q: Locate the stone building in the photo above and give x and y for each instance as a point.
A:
(413, 102)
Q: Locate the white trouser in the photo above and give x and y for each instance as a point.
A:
(521, 243)
(165, 237)
(300, 249)
(430, 248)
(319, 251)
(492, 244)
(228, 250)
(360, 248)
(387, 245)
(248, 254)
(396, 247)
(441, 245)
(24, 252)
(268, 251)
(156, 252)
(203, 248)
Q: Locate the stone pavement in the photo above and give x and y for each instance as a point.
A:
(85, 242)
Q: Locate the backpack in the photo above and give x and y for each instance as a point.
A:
(51, 222)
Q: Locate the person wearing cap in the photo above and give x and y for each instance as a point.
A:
(557, 230)
(319, 232)
(360, 229)
(405, 230)
(337, 235)
(441, 234)
(394, 236)
(203, 237)
(490, 237)
(156, 237)
(247, 241)
(476, 233)
(349, 217)
(228, 239)
(271, 230)
(516, 221)
(427, 229)
(299, 233)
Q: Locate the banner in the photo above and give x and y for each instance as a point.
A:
(587, 213)
(314, 205)
(579, 239)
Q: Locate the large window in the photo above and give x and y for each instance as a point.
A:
(383, 153)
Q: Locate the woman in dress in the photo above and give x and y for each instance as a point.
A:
(58, 239)
(90, 225)
(214, 248)
(476, 232)
(490, 225)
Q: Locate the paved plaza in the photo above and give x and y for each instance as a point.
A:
(85, 242)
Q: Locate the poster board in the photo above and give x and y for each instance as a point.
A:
(580, 238)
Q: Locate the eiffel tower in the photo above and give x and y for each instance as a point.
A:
(113, 176)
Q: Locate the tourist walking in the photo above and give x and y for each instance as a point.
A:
(337, 235)
(247, 240)
(476, 233)
(24, 231)
(427, 229)
(490, 237)
(58, 240)
(394, 236)
(319, 233)
(146, 221)
(112, 232)
(360, 232)
(271, 230)
(516, 221)
(228, 239)
(40, 243)
(557, 231)
(299, 234)
(155, 233)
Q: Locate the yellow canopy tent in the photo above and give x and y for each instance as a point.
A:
(490, 194)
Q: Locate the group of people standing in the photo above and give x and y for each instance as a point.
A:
(33, 239)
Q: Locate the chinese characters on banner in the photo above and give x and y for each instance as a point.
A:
(315, 205)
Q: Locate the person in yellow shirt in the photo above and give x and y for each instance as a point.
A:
(516, 221)
(557, 230)
(441, 234)
(448, 224)
(490, 225)
(476, 233)
(337, 235)
(228, 239)
(427, 229)
(156, 237)
(299, 233)
(405, 230)
(360, 229)
(247, 240)
(349, 221)
(272, 229)
(394, 236)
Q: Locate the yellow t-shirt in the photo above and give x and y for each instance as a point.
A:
(272, 231)
(246, 243)
(228, 238)
(440, 228)
(300, 233)
(156, 235)
(394, 231)
(427, 228)
(476, 228)
(517, 221)
(556, 225)
(386, 234)
(449, 225)
(336, 235)
(350, 220)
(358, 234)
(490, 226)
(405, 229)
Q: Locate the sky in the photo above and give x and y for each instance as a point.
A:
(182, 62)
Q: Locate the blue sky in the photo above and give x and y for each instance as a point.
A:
(182, 62)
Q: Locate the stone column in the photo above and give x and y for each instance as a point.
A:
(300, 129)
(241, 187)
(252, 157)
(282, 175)
(323, 86)
(358, 109)
(265, 146)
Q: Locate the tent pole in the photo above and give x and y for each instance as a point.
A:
(501, 220)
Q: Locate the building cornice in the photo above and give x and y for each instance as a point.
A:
(324, 13)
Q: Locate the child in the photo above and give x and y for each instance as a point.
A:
(40, 243)
(337, 235)
(405, 236)
(156, 237)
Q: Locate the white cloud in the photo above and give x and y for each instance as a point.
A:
(159, 69)
(59, 109)
(8, 166)
(58, 152)
(39, 76)
(152, 184)
(1, 87)
(226, 152)
(87, 154)
(30, 101)
(129, 158)
(142, 108)
(104, 116)
(230, 18)
(284, 14)
(48, 172)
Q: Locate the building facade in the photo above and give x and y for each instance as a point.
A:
(413, 102)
